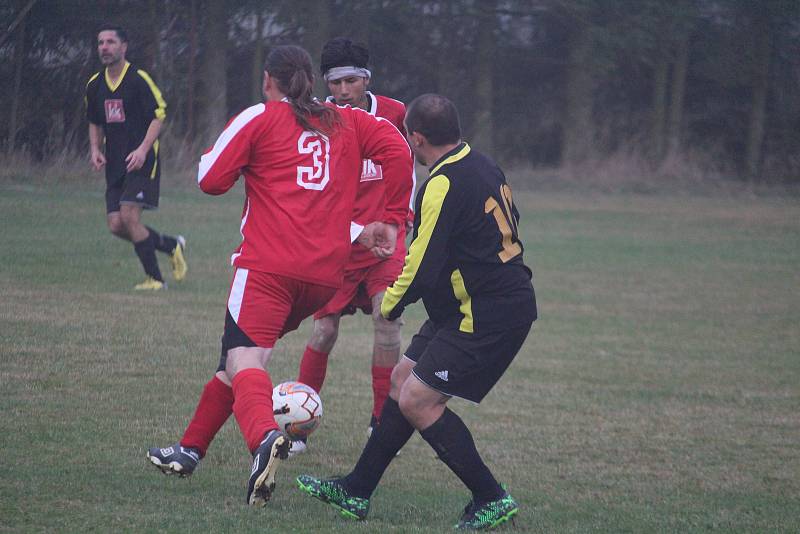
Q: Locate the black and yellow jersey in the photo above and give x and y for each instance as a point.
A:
(124, 109)
(465, 261)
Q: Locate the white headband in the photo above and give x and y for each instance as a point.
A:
(337, 73)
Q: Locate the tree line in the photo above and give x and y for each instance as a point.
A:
(538, 82)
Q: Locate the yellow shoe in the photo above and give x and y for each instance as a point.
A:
(177, 260)
(150, 284)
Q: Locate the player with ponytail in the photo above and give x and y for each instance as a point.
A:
(301, 163)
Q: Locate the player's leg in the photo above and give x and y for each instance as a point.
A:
(143, 244)
(114, 189)
(175, 247)
(115, 226)
(385, 355)
(467, 366)
(350, 494)
(314, 363)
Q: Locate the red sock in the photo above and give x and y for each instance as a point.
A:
(252, 405)
(381, 383)
(312, 368)
(214, 408)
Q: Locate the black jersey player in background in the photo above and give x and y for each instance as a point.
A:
(465, 263)
(126, 110)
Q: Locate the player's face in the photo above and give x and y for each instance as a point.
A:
(350, 91)
(110, 47)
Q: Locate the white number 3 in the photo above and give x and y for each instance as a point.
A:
(315, 177)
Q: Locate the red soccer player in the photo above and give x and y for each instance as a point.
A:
(300, 160)
(344, 67)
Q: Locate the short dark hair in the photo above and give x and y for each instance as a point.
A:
(435, 117)
(120, 31)
(342, 52)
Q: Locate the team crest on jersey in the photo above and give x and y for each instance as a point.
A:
(115, 112)
(370, 171)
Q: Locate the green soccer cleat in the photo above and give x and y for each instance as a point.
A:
(332, 492)
(177, 261)
(488, 515)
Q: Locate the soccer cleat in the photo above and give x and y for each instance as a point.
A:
(488, 515)
(174, 460)
(298, 446)
(332, 492)
(177, 261)
(274, 447)
(151, 284)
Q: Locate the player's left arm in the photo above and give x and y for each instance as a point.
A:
(152, 102)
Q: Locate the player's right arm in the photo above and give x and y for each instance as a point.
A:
(221, 166)
(95, 142)
(96, 133)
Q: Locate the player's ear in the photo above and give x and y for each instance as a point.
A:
(416, 139)
(266, 84)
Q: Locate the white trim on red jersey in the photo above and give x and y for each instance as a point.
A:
(241, 120)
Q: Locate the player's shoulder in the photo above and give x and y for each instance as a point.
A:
(141, 74)
(93, 79)
(390, 103)
(253, 114)
(392, 109)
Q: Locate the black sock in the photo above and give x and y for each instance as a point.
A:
(146, 251)
(382, 446)
(452, 441)
(163, 242)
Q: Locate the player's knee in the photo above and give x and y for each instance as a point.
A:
(387, 333)
(325, 334)
(116, 227)
(400, 374)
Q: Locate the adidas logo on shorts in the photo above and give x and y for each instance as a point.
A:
(441, 375)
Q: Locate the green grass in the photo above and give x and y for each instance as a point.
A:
(658, 392)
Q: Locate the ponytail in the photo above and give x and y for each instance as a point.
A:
(290, 66)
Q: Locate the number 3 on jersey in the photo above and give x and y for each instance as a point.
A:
(505, 223)
(316, 176)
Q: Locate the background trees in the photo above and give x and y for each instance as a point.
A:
(538, 82)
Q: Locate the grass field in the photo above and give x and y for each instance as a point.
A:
(659, 391)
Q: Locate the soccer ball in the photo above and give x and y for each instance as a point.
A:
(297, 408)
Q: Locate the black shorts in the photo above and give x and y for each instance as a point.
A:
(139, 187)
(459, 364)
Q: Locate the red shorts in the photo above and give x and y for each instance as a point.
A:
(360, 285)
(265, 306)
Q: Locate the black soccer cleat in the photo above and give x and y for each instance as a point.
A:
(174, 460)
(273, 448)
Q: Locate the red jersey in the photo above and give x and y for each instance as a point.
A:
(372, 195)
(300, 186)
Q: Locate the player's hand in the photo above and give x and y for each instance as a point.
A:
(98, 160)
(135, 159)
(367, 236)
(385, 236)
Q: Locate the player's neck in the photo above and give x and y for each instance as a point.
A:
(114, 70)
(365, 103)
(434, 154)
